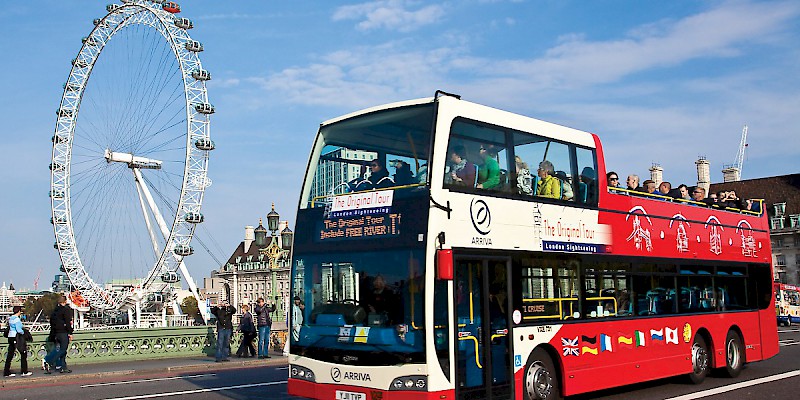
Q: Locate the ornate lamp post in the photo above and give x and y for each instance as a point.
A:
(273, 219)
(287, 237)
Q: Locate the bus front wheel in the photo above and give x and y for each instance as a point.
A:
(541, 379)
(734, 355)
(700, 360)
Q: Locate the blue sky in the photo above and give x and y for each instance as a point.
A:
(660, 82)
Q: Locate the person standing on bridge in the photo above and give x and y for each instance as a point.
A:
(264, 322)
(16, 342)
(61, 333)
(224, 314)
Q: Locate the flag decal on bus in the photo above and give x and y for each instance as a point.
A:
(585, 350)
(639, 339)
(672, 335)
(605, 342)
(657, 334)
(570, 346)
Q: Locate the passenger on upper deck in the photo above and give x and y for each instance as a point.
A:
(683, 192)
(403, 175)
(633, 183)
(664, 188)
(524, 179)
(462, 171)
(613, 179)
(489, 172)
(699, 195)
(649, 187)
(379, 178)
(548, 186)
(728, 199)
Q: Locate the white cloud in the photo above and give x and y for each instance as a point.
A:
(389, 14)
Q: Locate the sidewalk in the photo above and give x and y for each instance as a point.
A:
(134, 368)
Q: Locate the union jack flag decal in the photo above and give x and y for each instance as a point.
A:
(570, 346)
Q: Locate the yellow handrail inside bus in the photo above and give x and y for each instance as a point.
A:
(475, 340)
(615, 190)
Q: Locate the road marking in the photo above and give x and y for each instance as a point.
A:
(146, 380)
(788, 330)
(279, 368)
(217, 389)
(789, 344)
(735, 386)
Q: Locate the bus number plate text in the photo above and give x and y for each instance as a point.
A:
(342, 395)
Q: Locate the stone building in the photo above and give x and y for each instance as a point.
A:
(259, 267)
(781, 196)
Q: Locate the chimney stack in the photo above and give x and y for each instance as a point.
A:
(656, 173)
(703, 173)
(249, 237)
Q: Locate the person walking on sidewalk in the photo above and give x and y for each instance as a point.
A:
(16, 342)
(248, 330)
(61, 333)
(224, 314)
(264, 321)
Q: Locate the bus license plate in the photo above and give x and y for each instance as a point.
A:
(342, 395)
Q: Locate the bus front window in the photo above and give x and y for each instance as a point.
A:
(361, 307)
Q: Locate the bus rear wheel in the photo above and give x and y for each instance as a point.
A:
(700, 360)
(734, 355)
(541, 379)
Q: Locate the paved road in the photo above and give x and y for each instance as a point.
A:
(201, 379)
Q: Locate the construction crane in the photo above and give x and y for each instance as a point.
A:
(36, 280)
(733, 172)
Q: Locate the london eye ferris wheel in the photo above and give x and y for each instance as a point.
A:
(130, 155)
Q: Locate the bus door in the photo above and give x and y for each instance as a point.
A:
(483, 345)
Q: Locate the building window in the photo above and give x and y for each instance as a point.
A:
(794, 220)
(780, 260)
(779, 242)
(780, 208)
(776, 223)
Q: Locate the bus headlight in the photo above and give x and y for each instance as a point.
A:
(413, 382)
(298, 372)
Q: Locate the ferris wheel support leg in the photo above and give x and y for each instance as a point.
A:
(195, 292)
(165, 232)
(144, 213)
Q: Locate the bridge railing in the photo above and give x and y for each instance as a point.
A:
(137, 344)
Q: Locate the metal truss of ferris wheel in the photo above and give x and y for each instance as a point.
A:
(186, 214)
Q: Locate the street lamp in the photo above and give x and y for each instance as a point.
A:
(286, 238)
(273, 219)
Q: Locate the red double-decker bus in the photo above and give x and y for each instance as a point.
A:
(449, 250)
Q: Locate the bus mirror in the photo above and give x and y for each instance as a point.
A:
(444, 264)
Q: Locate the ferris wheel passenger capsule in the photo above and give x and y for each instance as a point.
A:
(205, 144)
(61, 268)
(71, 87)
(171, 7)
(60, 245)
(89, 41)
(80, 63)
(58, 220)
(193, 218)
(112, 7)
(64, 112)
(58, 139)
(100, 22)
(170, 277)
(56, 167)
(204, 108)
(194, 45)
(201, 75)
(184, 250)
(56, 194)
(184, 23)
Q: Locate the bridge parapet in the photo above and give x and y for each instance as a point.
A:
(136, 344)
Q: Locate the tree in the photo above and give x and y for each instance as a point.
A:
(46, 304)
(189, 307)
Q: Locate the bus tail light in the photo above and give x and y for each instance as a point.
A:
(444, 264)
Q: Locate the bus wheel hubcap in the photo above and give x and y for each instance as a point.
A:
(699, 359)
(733, 354)
(538, 382)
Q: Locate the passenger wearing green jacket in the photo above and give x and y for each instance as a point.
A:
(489, 172)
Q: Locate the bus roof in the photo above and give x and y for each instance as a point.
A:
(398, 104)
